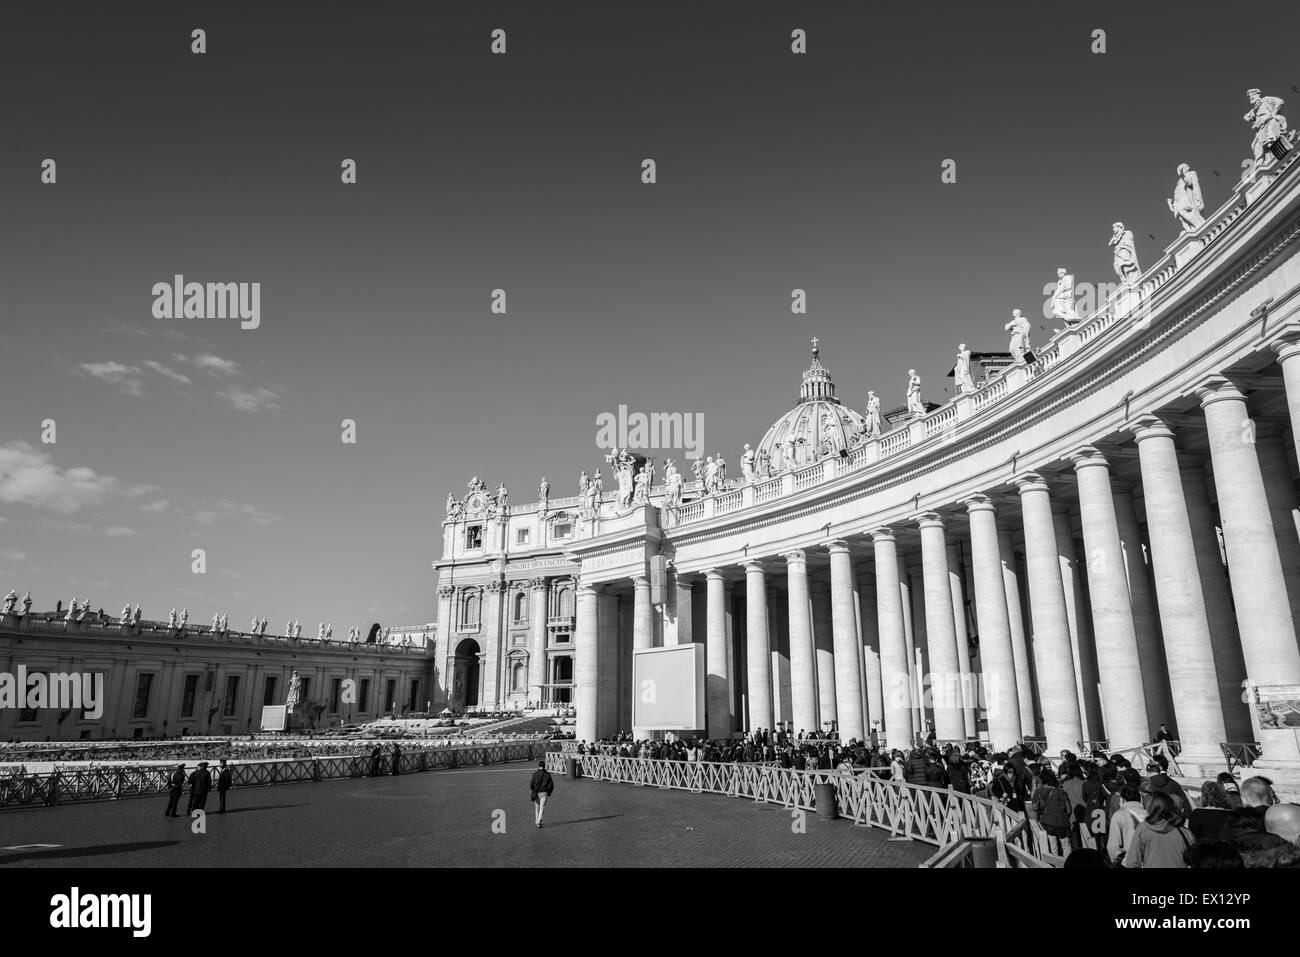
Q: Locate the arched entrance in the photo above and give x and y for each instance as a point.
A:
(464, 676)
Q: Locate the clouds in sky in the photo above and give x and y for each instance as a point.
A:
(28, 477)
(130, 379)
(250, 400)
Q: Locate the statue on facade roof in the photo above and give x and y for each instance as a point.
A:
(136, 617)
(126, 615)
(721, 479)
(747, 459)
(502, 495)
(1186, 204)
(544, 491)
(641, 494)
(873, 414)
(710, 475)
(697, 469)
(1126, 259)
(1063, 298)
(11, 600)
(27, 603)
(1266, 119)
(961, 371)
(171, 621)
(582, 483)
(1019, 328)
(185, 617)
(672, 485)
(764, 463)
(914, 404)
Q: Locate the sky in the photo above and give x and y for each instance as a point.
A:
(523, 172)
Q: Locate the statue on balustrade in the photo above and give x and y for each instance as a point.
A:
(329, 631)
(914, 404)
(454, 508)
(873, 414)
(697, 469)
(832, 443)
(136, 617)
(1186, 204)
(721, 463)
(252, 626)
(787, 454)
(85, 608)
(544, 491)
(582, 483)
(262, 630)
(297, 628)
(1063, 298)
(171, 620)
(72, 611)
(672, 485)
(126, 615)
(1126, 257)
(216, 622)
(764, 464)
(11, 600)
(710, 475)
(747, 465)
(185, 617)
(1019, 328)
(641, 493)
(224, 619)
(27, 603)
(502, 495)
(961, 371)
(1266, 119)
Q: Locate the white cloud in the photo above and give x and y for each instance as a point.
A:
(250, 400)
(10, 555)
(207, 362)
(227, 509)
(161, 369)
(28, 477)
(119, 531)
(156, 508)
(114, 373)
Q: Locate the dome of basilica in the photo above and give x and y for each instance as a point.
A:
(818, 427)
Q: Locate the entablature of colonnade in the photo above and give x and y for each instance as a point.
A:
(623, 548)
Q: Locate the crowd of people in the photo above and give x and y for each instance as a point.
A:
(1096, 811)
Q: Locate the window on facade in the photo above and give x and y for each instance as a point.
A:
(363, 695)
(470, 618)
(521, 606)
(232, 695)
(563, 638)
(268, 696)
(304, 689)
(414, 702)
(336, 690)
(187, 697)
(563, 530)
(521, 537)
(518, 676)
(143, 686)
(474, 536)
(564, 604)
(392, 694)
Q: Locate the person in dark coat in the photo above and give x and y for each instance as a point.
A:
(224, 780)
(397, 759)
(375, 759)
(200, 785)
(176, 788)
(915, 768)
(542, 786)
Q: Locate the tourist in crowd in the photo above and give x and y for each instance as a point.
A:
(1124, 822)
(1211, 818)
(1052, 809)
(1009, 789)
(1161, 839)
(200, 785)
(224, 780)
(175, 789)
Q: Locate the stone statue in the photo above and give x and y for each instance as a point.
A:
(72, 610)
(453, 506)
(295, 690)
(476, 485)
(126, 615)
(136, 617)
(710, 475)
(622, 462)
(262, 630)
(216, 622)
(591, 499)
(320, 631)
(641, 495)
(1186, 204)
(27, 603)
(288, 628)
(329, 631)
(1019, 328)
(673, 485)
(185, 617)
(171, 620)
(721, 463)
(1269, 124)
(1126, 258)
(582, 483)
(914, 404)
(787, 454)
(11, 600)
(697, 469)
(1063, 297)
(873, 414)
(252, 627)
(85, 607)
(297, 628)
(502, 494)
(224, 619)
(961, 371)
(747, 465)
(765, 463)
(544, 491)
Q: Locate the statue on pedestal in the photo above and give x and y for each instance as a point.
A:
(1019, 328)
(329, 631)
(710, 475)
(72, 611)
(672, 485)
(1266, 119)
(787, 455)
(126, 615)
(216, 622)
(873, 414)
(1186, 204)
(502, 494)
(185, 617)
(135, 619)
(171, 620)
(297, 628)
(224, 619)
(914, 404)
(11, 600)
(1063, 297)
(721, 464)
(747, 465)
(295, 690)
(544, 491)
(961, 371)
(641, 494)
(765, 464)
(1126, 259)
(27, 603)
(697, 469)
(582, 483)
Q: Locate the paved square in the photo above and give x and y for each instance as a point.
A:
(444, 819)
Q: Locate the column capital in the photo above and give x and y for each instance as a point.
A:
(796, 556)
(1286, 348)
(1218, 389)
(587, 588)
(537, 584)
(979, 502)
(714, 574)
(496, 585)
(685, 578)
(446, 591)
(754, 567)
(882, 534)
(1088, 456)
(837, 546)
(930, 520)
(1151, 427)
(640, 582)
(1030, 482)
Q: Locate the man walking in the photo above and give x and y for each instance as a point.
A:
(176, 786)
(200, 785)
(223, 784)
(542, 786)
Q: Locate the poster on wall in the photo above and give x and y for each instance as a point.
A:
(1278, 706)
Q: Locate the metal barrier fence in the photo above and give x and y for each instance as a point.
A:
(932, 815)
(115, 782)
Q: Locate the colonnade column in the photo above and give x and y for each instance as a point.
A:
(1053, 658)
(718, 686)
(848, 648)
(643, 625)
(758, 651)
(802, 664)
(1118, 664)
(1081, 642)
(1019, 639)
(969, 699)
(683, 601)
(893, 642)
(999, 681)
(1189, 649)
(945, 672)
(537, 650)
(825, 648)
(586, 662)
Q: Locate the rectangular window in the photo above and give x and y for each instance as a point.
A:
(414, 703)
(143, 686)
(232, 695)
(521, 537)
(268, 696)
(563, 530)
(392, 694)
(336, 690)
(363, 695)
(474, 536)
(304, 689)
(187, 697)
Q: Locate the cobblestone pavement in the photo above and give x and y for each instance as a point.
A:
(445, 819)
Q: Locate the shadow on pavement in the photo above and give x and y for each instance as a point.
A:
(84, 851)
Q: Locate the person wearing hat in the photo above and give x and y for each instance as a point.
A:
(176, 786)
(200, 785)
(224, 780)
